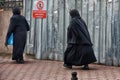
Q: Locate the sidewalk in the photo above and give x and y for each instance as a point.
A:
(52, 70)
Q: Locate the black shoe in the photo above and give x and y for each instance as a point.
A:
(13, 59)
(67, 66)
(86, 67)
(20, 61)
(17, 60)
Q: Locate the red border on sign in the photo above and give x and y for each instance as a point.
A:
(38, 5)
(39, 13)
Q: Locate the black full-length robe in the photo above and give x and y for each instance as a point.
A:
(79, 46)
(19, 27)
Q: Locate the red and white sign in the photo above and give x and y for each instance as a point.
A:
(38, 11)
(40, 5)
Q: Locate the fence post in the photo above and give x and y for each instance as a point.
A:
(74, 76)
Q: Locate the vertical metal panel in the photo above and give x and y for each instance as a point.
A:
(61, 26)
(84, 9)
(102, 33)
(99, 34)
(94, 26)
(27, 13)
(67, 17)
(38, 38)
(31, 34)
(49, 36)
(112, 32)
(57, 55)
(108, 37)
(51, 30)
(50, 16)
(60, 23)
(115, 33)
(44, 29)
(107, 49)
(90, 17)
(118, 32)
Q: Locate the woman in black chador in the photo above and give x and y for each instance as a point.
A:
(19, 27)
(79, 46)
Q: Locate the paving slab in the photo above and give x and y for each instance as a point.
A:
(34, 69)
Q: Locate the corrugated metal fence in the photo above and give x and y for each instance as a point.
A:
(47, 38)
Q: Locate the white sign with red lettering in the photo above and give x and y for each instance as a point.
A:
(39, 9)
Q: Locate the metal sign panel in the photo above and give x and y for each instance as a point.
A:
(39, 9)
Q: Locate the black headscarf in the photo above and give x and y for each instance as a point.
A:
(82, 27)
(16, 11)
(74, 13)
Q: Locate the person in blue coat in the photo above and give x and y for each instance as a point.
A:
(79, 49)
(19, 27)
